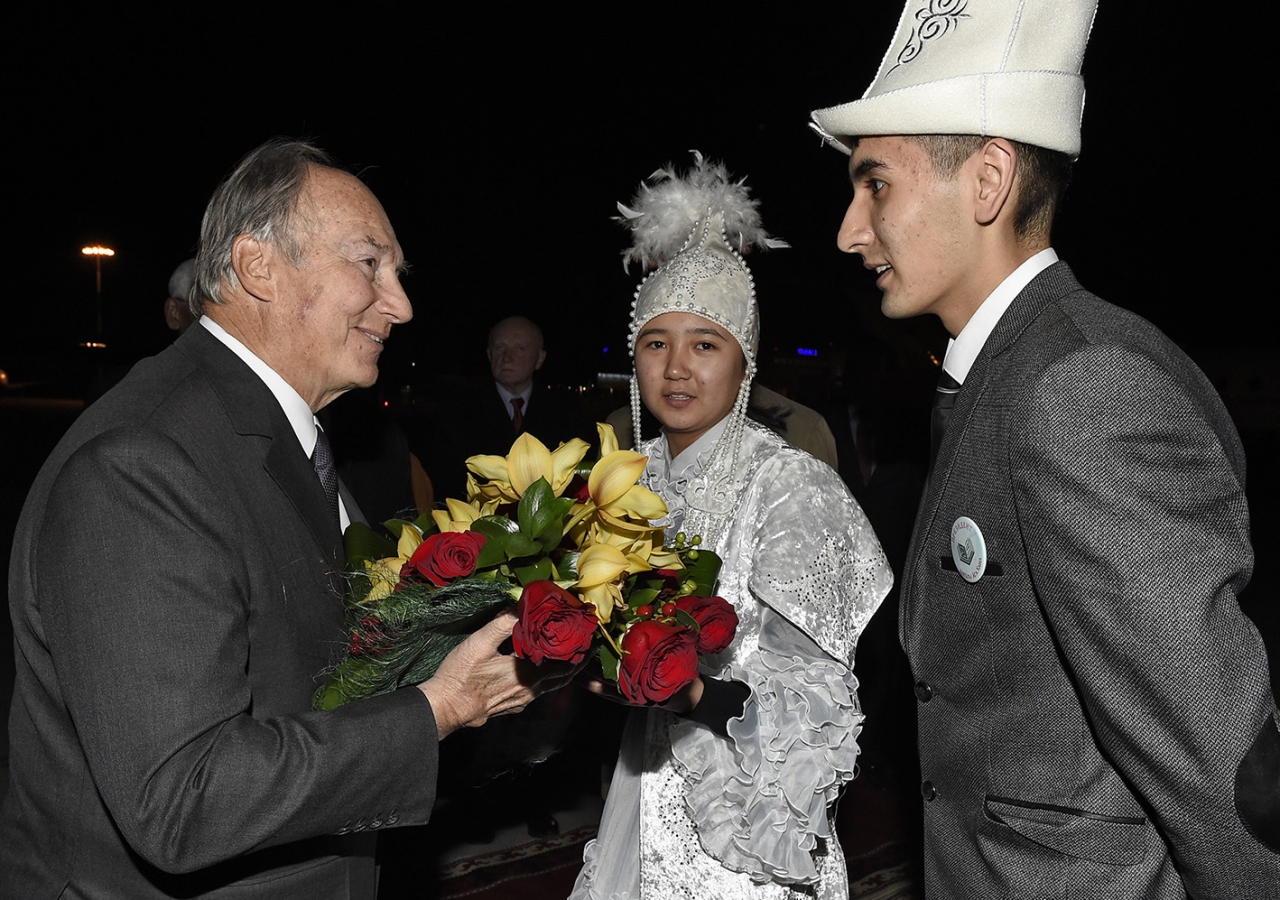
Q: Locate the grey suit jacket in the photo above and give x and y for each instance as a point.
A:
(1085, 705)
(174, 593)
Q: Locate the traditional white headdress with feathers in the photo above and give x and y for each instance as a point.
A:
(695, 227)
(668, 205)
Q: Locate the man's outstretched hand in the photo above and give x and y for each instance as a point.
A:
(475, 681)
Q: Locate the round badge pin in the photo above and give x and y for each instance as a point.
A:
(968, 549)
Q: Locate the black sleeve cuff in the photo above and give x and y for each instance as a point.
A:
(721, 701)
(1257, 799)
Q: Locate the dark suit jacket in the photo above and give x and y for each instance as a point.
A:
(1084, 706)
(174, 596)
(480, 423)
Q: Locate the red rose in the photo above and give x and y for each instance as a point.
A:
(717, 621)
(553, 624)
(443, 558)
(657, 661)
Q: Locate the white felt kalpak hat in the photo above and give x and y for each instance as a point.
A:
(998, 68)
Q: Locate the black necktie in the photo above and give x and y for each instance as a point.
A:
(322, 459)
(943, 399)
(517, 414)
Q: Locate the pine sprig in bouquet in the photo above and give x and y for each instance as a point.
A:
(568, 542)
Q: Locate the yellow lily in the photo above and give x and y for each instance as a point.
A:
(608, 439)
(638, 548)
(384, 574)
(601, 570)
(508, 477)
(615, 498)
(458, 516)
(613, 484)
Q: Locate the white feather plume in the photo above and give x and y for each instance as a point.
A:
(668, 205)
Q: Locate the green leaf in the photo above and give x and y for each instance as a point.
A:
(497, 531)
(519, 546)
(550, 538)
(608, 662)
(687, 620)
(704, 571)
(493, 552)
(488, 525)
(529, 509)
(568, 566)
(395, 526)
(361, 543)
(540, 508)
(539, 571)
(640, 596)
(426, 524)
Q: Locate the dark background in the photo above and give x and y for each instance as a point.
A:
(499, 144)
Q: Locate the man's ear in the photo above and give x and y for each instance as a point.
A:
(996, 166)
(542, 357)
(252, 260)
(172, 313)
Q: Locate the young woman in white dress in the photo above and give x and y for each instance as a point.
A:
(727, 791)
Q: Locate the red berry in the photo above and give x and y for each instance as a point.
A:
(644, 611)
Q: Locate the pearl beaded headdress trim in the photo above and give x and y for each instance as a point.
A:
(695, 226)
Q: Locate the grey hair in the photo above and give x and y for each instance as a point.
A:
(259, 198)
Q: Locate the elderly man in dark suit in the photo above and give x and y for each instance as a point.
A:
(496, 413)
(174, 588)
(1095, 712)
(516, 352)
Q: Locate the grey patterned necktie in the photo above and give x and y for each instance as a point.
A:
(322, 459)
(944, 399)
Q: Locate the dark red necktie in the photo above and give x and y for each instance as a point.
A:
(517, 417)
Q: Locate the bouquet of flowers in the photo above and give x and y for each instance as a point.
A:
(569, 543)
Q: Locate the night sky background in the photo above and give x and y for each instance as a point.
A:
(499, 144)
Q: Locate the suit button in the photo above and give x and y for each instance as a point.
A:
(924, 693)
(927, 791)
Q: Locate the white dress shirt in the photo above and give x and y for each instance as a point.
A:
(507, 397)
(964, 348)
(304, 422)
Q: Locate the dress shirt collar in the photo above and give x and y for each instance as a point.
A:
(507, 397)
(964, 348)
(295, 408)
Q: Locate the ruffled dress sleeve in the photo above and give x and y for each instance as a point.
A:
(759, 800)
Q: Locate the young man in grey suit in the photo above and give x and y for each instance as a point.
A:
(1095, 711)
(175, 588)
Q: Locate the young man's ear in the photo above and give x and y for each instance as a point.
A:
(996, 166)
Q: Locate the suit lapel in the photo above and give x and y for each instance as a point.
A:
(1047, 287)
(255, 413)
(289, 467)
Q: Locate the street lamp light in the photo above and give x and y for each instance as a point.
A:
(97, 251)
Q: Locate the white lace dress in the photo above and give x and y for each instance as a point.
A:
(691, 814)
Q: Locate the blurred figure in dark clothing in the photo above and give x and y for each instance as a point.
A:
(881, 431)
